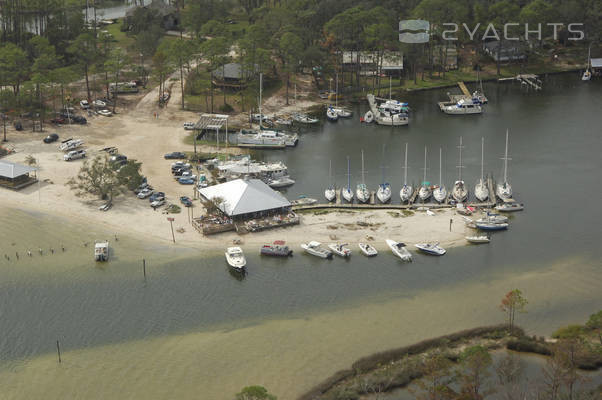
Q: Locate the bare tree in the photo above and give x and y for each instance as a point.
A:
(509, 372)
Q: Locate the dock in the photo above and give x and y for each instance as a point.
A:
(529, 80)
(464, 89)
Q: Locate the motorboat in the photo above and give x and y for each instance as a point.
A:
(367, 249)
(425, 191)
(266, 139)
(346, 192)
(394, 107)
(330, 193)
(332, 115)
(431, 248)
(315, 249)
(510, 206)
(340, 249)
(504, 190)
(283, 121)
(478, 239)
(278, 249)
(101, 251)
(280, 182)
(493, 218)
(343, 112)
(304, 119)
(236, 258)
(384, 192)
(406, 190)
(463, 107)
(491, 226)
(459, 191)
(481, 190)
(440, 193)
(389, 119)
(587, 75)
(368, 117)
(361, 190)
(304, 201)
(399, 249)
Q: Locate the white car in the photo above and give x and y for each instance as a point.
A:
(74, 155)
(189, 126)
(99, 103)
(105, 113)
(84, 104)
(144, 193)
(157, 203)
(187, 174)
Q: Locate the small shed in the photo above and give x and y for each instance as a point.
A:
(233, 75)
(15, 176)
(596, 64)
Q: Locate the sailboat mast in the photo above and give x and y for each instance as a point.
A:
(389, 87)
(260, 90)
(363, 180)
(330, 172)
(440, 151)
(405, 168)
(348, 176)
(460, 166)
(482, 155)
(424, 176)
(336, 90)
(506, 159)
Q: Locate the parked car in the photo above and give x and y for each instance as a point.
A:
(188, 174)
(180, 164)
(157, 196)
(99, 103)
(186, 181)
(157, 203)
(53, 137)
(58, 120)
(186, 201)
(174, 155)
(118, 157)
(189, 126)
(104, 112)
(84, 104)
(180, 172)
(18, 126)
(144, 193)
(74, 155)
(79, 120)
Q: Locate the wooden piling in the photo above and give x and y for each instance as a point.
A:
(144, 268)
(58, 350)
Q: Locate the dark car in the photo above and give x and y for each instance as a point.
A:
(18, 126)
(117, 158)
(186, 201)
(79, 120)
(53, 137)
(157, 196)
(176, 155)
(180, 171)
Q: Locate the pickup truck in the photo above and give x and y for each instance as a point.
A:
(74, 155)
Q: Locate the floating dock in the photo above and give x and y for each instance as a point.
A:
(530, 80)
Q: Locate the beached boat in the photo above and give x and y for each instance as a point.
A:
(101, 251)
(478, 239)
(463, 107)
(361, 190)
(406, 190)
(278, 249)
(330, 193)
(340, 249)
(280, 182)
(491, 226)
(314, 248)
(304, 201)
(399, 249)
(504, 189)
(459, 191)
(510, 206)
(440, 193)
(304, 119)
(332, 115)
(481, 191)
(431, 248)
(236, 258)
(425, 191)
(367, 249)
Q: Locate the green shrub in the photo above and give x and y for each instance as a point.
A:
(226, 108)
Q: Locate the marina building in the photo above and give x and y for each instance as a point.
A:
(15, 176)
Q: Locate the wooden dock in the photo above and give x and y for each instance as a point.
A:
(464, 89)
(529, 80)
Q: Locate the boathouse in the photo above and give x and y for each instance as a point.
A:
(15, 176)
(246, 198)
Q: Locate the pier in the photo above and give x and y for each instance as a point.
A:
(530, 80)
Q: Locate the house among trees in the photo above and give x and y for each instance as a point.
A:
(233, 75)
(170, 18)
(15, 176)
(439, 53)
(509, 50)
(391, 62)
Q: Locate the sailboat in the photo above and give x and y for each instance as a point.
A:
(361, 191)
(347, 192)
(406, 190)
(504, 190)
(481, 191)
(478, 94)
(339, 111)
(440, 193)
(460, 192)
(425, 191)
(384, 189)
(330, 193)
(587, 74)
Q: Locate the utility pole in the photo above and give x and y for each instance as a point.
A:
(171, 219)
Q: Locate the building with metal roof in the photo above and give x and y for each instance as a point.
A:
(233, 75)
(244, 198)
(15, 176)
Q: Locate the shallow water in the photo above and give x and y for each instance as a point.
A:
(288, 324)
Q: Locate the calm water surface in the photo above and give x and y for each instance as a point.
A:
(292, 322)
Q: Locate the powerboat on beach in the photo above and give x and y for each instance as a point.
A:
(314, 248)
(399, 249)
(431, 248)
(340, 249)
(367, 249)
(478, 239)
(236, 258)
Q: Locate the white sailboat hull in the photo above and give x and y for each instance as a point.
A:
(481, 191)
(504, 191)
(384, 194)
(424, 193)
(330, 194)
(460, 193)
(405, 193)
(440, 193)
(347, 194)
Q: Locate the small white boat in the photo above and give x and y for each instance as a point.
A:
(478, 239)
(235, 258)
(493, 218)
(332, 115)
(368, 117)
(101, 251)
(463, 107)
(504, 190)
(510, 207)
(406, 190)
(304, 201)
(304, 119)
(431, 248)
(399, 249)
(367, 249)
(314, 248)
(283, 121)
(340, 249)
(389, 119)
(281, 182)
(342, 112)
